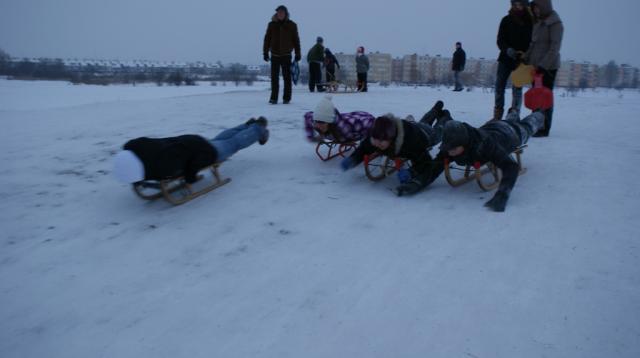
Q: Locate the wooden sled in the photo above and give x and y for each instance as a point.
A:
(377, 166)
(325, 149)
(477, 172)
(337, 87)
(176, 191)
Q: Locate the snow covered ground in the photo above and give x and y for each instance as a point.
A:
(295, 258)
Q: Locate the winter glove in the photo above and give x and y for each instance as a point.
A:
(404, 175)
(347, 163)
(409, 188)
(511, 52)
(266, 57)
(498, 202)
(297, 58)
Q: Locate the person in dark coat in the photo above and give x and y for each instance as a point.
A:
(330, 64)
(362, 68)
(544, 50)
(406, 139)
(172, 157)
(315, 58)
(457, 65)
(493, 142)
(514, 36)
(280, 39)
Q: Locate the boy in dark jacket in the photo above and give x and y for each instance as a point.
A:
(406, 139)
(330, 64)
(281, 38)
(169, 158)
(514, 36)
(457, 65)
(493, 142)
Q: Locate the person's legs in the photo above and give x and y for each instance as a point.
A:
(364, 82)
(548, 80)
(286, 75)
(530, 125)
(502, 75)
(275, 78)
(234, 139)
(360, 81)
(314, 76)
(516, 101)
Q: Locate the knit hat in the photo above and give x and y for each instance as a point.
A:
(325, 111)
(127, 167)
(383, 129)
(455, 134)
(319, 39)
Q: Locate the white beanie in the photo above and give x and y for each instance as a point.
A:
(325, 111)
(127, 167)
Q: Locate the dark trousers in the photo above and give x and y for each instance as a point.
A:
(277, 63)
(548, 80)
(456, 79)
(330, 74)
(502, 76)
(362, 81)
(315, 77)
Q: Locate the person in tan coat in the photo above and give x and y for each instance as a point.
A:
(544, 50)
(281, 39)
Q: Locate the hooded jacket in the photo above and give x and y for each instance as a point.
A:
(546, 39)
(281, 37)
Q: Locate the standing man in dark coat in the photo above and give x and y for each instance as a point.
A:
(544, 51)
(315, 58)
(514, 36)
(457, 65)
(281, 38)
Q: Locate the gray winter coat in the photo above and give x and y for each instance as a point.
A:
(546, 39)
(362, 64)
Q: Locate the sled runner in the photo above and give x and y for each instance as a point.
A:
(341, 149)
(176, 191)
(377, 166)
(478, 171)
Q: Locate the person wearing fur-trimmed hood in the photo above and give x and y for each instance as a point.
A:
(405, 139)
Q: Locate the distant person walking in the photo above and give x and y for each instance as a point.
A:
(544, 51)
(514, 36)
(315, 58)
(362, 67)
(330, 63)
(281, 38)
(457, 65)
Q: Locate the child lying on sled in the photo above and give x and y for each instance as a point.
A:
(325, 123)
(169, 158)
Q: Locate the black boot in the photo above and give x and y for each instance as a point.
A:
(434, 113)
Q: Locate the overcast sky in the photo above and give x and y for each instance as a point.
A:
(211, 30)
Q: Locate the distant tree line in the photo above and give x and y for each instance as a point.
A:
(56, 69)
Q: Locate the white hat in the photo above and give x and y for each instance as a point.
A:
(127, 167)
(325, 111)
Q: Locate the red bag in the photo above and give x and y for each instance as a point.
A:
(538, 97)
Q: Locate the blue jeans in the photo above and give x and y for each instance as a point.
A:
(233, 139)
(501, 83)
(456, 77)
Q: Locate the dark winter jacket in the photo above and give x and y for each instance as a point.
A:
(330, 61)
(493, 142)
(166, 158)
(316, 54)
(411, 143)
(546, 38)
(514, 32)
(362, 64)
(459, 60)
(281, 38)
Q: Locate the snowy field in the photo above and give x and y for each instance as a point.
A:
(295, 258)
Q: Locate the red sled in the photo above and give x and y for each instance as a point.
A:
(538, 97)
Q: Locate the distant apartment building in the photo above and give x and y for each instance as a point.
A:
(577, 75)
